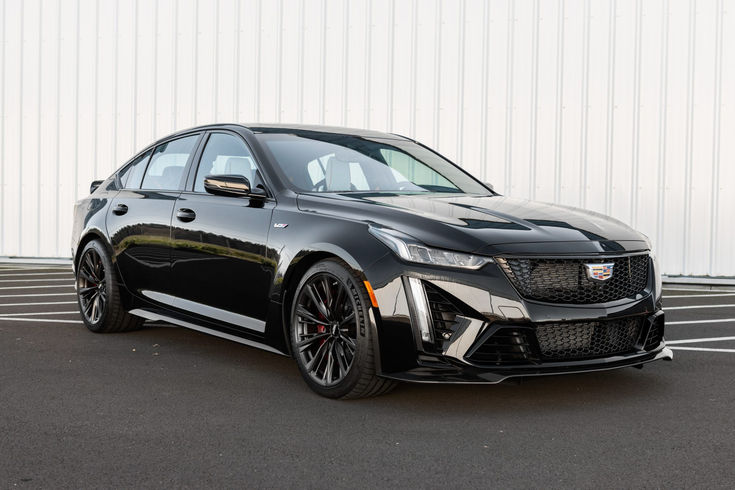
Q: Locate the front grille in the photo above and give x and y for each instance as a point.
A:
(565, 280)
(575, 340)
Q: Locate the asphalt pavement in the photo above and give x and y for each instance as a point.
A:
(170, 407)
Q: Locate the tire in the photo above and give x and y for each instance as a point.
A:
(98, 293)
(334, 351)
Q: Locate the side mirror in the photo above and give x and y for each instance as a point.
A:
(489, 186)
(94, 185)
(231, 185)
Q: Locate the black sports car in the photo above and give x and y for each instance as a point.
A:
(366, 256)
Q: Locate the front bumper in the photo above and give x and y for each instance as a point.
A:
(486, 303)
(436, 371)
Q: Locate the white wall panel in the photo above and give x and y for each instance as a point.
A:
(626, 107)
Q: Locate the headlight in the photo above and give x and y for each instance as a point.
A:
(410, 249)
(658, 284)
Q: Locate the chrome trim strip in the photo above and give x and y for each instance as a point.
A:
(149, 315)
(421, 306)
(208, 311)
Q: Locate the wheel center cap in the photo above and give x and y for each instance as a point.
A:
(335, 329)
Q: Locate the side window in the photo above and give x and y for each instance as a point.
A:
(167, 164)
(132, 174)
(226, 154)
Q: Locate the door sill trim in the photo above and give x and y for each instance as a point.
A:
(149, 315)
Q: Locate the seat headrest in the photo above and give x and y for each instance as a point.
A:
(337, 175)
(171, 176)
(239, 166)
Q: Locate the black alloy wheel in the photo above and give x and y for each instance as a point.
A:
(331, 333)
(91, 286)
(98, 293)
(326, 328)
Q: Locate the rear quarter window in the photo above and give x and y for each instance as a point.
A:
(132, 174)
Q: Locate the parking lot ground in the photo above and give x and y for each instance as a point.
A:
(171, 407)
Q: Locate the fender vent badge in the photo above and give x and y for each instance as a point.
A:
(280, 225)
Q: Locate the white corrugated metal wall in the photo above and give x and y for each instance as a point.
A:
(623, 107)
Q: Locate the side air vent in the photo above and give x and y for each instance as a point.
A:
(655, 333)
(443, 313)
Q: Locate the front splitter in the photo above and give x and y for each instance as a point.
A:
(475, 375)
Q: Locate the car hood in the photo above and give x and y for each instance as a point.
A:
(483, 224)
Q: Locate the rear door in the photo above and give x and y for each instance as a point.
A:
(139, 220)
(221, 267)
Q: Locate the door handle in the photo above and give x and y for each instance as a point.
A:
(185, 215)
(120, 209)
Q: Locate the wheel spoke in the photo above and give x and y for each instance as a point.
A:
(91, 268)
(314, 296)
(85, 274)
(327, 294)
(301, 311)
(329, 369)
(95, 308)
(349, 343)
(87, 290)
(341, 358)
(347, 319)
(88, 305)
(315, 361)
(338, 304)
(306, 343)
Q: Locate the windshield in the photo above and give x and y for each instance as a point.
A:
(328, 162)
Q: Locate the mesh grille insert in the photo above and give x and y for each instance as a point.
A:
(574, 340)
(566, 281)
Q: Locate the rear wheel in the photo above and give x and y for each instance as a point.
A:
(330, 333)
(98, 293)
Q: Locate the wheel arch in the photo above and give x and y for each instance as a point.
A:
(88, 236)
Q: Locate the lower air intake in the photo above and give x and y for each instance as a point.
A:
(575, 340)
(655, 334)
(509, 345)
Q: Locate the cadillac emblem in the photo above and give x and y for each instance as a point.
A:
(599, 272)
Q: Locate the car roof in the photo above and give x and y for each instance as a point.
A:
(298, 128)
(287, 128)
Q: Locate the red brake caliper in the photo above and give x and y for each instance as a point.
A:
(321, 329)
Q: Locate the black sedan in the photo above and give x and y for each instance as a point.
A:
(366, 256)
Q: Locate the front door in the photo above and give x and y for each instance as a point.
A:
(221, 267)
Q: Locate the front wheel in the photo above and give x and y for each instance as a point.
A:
(331, 335)
(98, 292)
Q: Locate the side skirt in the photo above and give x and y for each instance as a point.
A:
(149, 315)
